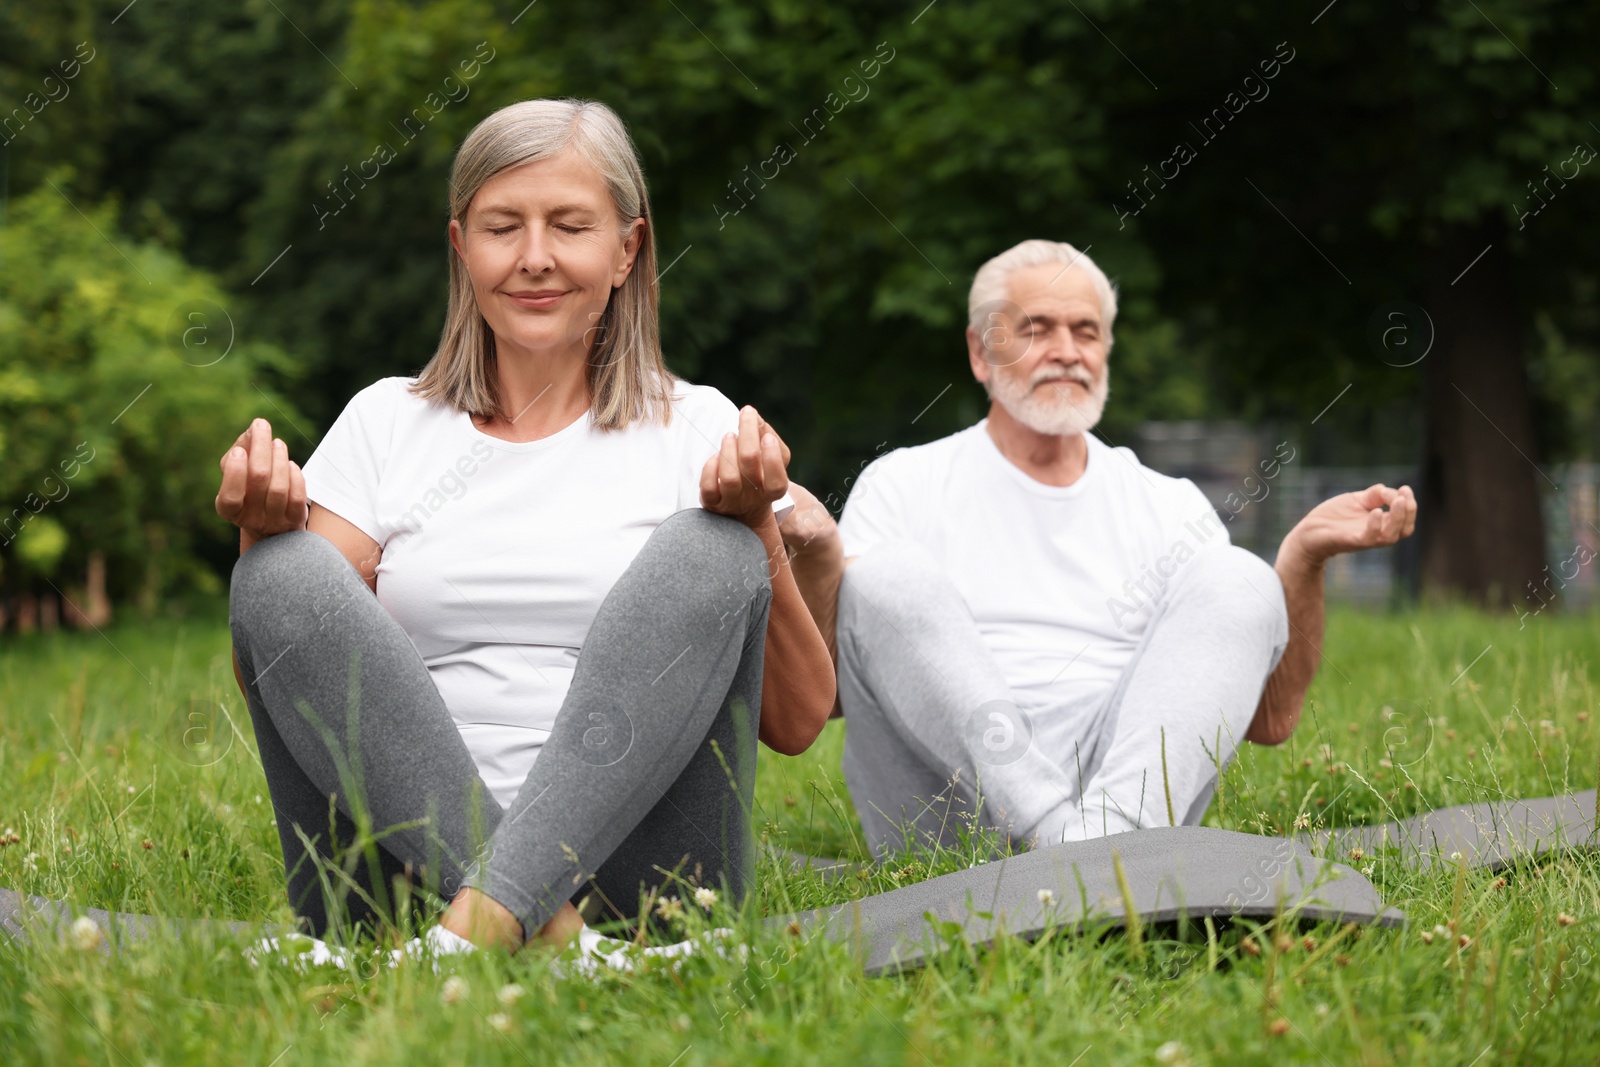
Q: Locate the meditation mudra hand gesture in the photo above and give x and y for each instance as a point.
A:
(1375, 517)
(748, 473)
(263, 491)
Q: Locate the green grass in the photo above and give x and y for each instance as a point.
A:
(93, 766)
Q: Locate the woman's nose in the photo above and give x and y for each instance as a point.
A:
(536, 258)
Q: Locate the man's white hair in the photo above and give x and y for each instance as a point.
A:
(990, 286)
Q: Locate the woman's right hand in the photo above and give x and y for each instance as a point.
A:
(263, 491)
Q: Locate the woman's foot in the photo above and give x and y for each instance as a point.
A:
(297, 950)
(487, 923)
(595, 950)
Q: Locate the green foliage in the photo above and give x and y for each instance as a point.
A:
(123, 378)
(41, 544)
(833, 298)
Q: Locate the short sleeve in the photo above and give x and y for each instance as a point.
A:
(878, 508)
(1191, 510)
(343, 473)
(711, 418)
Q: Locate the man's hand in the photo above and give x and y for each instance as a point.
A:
(1351, 522)
(1346, 523)
(748, 473)
(809, 528)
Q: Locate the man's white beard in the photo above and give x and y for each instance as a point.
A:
(1051, 410)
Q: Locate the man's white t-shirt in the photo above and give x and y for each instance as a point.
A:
(1061, 580)
(497, 554)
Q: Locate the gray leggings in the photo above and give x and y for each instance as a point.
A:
(932, 739)
(650, 765)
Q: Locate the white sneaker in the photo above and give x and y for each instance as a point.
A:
(299, 951)
(437, 942)
(594, 950)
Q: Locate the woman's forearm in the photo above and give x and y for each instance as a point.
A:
(798, 685)
(1285, 693)
(246, 539)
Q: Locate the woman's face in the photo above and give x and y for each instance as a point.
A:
(543, 246)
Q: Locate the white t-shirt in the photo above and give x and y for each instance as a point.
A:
(1061, 580)
(496, 555)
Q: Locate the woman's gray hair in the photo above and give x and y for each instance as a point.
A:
(990, 286)
(628, 379)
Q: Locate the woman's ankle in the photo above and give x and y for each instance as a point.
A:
(563, 927)
(482, 920)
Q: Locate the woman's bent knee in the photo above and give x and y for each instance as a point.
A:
(298, 569)
(710, 551)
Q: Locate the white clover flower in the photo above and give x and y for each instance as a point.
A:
(1368, 869)
(705, 897)
(500, 1021)
(1173, 1054)
(86, 936)
(669, 908)
(1302, 821)
(454, 990)
(1047, 897)
(509, 994)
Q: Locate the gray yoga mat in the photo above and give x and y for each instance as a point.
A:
(20, 915)
(1170, 872)
(1493, 834)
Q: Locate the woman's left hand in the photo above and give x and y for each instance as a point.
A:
(748, 472)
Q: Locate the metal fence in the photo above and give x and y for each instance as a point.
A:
(1260, 497)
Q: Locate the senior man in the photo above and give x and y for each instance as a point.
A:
(1033, 631)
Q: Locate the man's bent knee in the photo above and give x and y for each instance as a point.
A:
(899, 580)
(1240, 589)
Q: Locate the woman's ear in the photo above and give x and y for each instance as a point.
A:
(456, 239)
(631, 242)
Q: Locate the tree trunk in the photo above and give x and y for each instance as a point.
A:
(1480, 524)
(87, 606)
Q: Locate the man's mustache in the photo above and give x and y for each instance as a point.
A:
(1076, 374)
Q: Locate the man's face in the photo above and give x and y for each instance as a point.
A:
(1042, 355)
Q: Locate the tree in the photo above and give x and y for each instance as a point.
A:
(122, 378)
(1388, 161)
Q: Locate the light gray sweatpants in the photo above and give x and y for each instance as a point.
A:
(649, 767)
(932, 737)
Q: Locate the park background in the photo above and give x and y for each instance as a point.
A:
(1354, 232)
(1361, 229)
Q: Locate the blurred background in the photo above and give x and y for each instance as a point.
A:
(1354, 242)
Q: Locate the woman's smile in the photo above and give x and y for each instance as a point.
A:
(536, 299)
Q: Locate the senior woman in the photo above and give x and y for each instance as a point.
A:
(524, 616)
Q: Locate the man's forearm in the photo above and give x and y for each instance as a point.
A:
(818, 568)
(1285, 693)
(798, 686)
